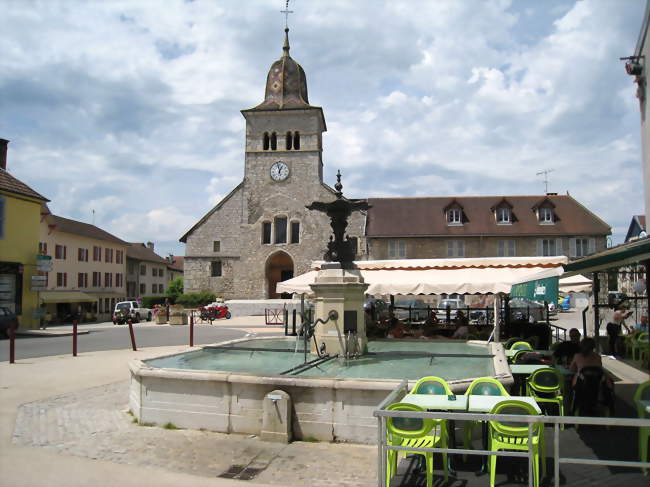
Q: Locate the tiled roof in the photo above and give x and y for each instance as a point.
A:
(177, 263)
(83, 229)
(140, 251)
(402, 217)
(13, 185)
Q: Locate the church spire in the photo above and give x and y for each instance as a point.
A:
(285, 47)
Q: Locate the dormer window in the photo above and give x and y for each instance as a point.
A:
(454, 216)
(504, 216)
(545, 215)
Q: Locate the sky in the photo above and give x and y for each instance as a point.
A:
(127, 113)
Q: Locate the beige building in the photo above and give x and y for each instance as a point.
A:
(88, 270)
(147, 273)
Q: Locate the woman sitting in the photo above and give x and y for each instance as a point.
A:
(591, 385)
(587, 357)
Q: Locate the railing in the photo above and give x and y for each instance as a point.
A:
(381, 414)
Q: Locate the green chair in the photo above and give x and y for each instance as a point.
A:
(640, 345)
(510, 341)
(521, 345)
(643, 394)
(517, 358)
(483, 386)
(415, 433)
(629, 341)
(431, 385)
(508, 435)
(546, 386)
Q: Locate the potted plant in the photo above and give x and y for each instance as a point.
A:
(160, 314)
(177, 315)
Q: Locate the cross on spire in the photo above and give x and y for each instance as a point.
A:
(286, 13)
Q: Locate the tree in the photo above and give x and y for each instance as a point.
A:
(175, 289)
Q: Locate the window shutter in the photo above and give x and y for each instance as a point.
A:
(572, 247)
(558, 247)
(592, 246)
(540, 247)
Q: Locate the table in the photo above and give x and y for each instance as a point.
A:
(525, 369)
(546, 353)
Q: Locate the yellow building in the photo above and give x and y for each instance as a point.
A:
(20, 216)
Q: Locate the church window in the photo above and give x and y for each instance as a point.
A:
(274, 141)
(295, 232)
(216, 246)
(265, 142)
(281, 229)
(296, 140)
(215, 268)
(289, 140)
(266, 232)
(396, 249)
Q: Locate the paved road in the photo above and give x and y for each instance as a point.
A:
(106, 336)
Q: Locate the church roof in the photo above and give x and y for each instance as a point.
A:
(286, 83)
(422, 217)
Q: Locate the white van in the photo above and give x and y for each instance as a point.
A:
(132, 310)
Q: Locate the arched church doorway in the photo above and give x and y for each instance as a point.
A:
(279, 267)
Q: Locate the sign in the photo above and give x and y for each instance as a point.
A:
(43, 257)
(538, 290)
(39, 283)
(44, 266)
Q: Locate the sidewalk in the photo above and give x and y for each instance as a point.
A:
(64, 421)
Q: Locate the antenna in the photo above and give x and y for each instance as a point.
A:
(545, 173)
(93, 216)
(286, 13)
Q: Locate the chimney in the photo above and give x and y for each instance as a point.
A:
(3, 153)
(150, 245)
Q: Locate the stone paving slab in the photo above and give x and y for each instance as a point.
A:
(95, 423)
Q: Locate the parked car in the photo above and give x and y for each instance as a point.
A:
(379, 307)
(525, 309)
(417, 307)
(125, 310)
(481, 316)
(8, 319)
(452, 304)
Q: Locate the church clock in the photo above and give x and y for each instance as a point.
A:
(279, 171)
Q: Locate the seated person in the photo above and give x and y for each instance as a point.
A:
(565, 351)
(461, 319)
(642, 325)
(395, 327)
(586, 357)
(432, 320)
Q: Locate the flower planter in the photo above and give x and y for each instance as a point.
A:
(178, 319)
(161, 318)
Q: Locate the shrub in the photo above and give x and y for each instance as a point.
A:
(175, 289)
(152, 301)
(194, 300)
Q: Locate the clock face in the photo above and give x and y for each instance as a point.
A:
(279, 171)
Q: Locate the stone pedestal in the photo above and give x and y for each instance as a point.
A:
(340, 290)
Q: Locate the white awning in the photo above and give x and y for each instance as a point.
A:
(575, 284)
(441, 276)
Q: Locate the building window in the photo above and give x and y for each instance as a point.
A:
(119, 256)
(296, 140)
(266, 232)
(154, 271)
(295, 232)
(215, 268)
(82, 280)
(62, 279)
(216, 246)
(506, 248)
(108, 255)
(161, 272)
(119, 279)
(82, 255)
(548, 247)
(581, 247)
(274, 141)
(97, 254)
(60, 252)
(289, 141)
(143, 289)
(504, 216)
(397, 249)
(545, 215)
(280, 229)
(455, 248)
(454, 216)
(97, 279)
(265, 141)
(108, 279)
(143, 270)
(42, 248)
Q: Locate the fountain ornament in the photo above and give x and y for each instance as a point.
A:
(340, 249)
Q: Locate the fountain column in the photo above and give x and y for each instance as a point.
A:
(339, 286)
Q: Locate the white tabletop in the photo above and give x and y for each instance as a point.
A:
(526, 369)
(546, 353)
(437, 402)
(484, 404)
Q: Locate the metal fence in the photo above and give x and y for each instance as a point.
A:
(381, 414)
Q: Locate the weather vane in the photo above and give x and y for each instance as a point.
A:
(286, 13)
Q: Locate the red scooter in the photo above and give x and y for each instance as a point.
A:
(211, 313)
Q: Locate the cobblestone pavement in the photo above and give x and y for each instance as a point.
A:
(95, 423)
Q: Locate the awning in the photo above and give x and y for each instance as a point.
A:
(65, 297)
(618, 256)
(440, 276)
(575, 284)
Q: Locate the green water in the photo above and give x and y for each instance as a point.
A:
(385, 360)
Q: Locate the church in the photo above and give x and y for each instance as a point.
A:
(261, 233)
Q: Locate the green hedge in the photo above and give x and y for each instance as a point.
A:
(151, 301)
(194, 300)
